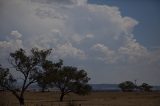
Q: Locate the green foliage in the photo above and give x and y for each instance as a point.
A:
(145, 87)
(36, 68)
(70, 79)
(3, 74)
(6, 79)
(46, 77)
(42, 81)
(127, 86)
(28, 66)
(66, 78)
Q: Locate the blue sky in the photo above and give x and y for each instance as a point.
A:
(113, 40)
(146, 12)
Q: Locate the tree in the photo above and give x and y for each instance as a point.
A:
(5, 77)
(66, 78)
(28, 66)
(44, 78)
(145, 87)
(42, 81)
(69, 79)
(127, 86)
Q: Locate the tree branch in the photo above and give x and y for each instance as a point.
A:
(33, 81)
(12, 90)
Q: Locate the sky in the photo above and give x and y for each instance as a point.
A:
(146, 12)
(113, 40)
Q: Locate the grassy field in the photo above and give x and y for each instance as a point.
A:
(94, 99)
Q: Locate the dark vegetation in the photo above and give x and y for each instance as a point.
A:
(129, 86)
(145, 87)
(36, 68)
(66, 78)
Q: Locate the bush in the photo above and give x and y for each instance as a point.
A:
(127, 86)
(145, 87)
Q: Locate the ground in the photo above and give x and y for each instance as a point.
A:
(94, 99)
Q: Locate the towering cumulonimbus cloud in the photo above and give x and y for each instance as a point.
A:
(76, 30)
(73, 24)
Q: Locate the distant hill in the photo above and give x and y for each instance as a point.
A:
(156, 88)
(104, 87)
(96, 87)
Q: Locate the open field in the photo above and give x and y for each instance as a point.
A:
(94, 99)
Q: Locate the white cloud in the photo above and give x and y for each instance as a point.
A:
(77, 38)
(16, 34)
(52, 23)
(129, 23)
(75, 2)
(89, 36)
(103, 49)
(11, 44)
(108, 55)
(67, 50)
(133, 50)
(79, 2)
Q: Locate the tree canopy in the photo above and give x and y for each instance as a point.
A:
(145, 87)
(127, 86)
(28, 66)
(67, 79)
(34, 67)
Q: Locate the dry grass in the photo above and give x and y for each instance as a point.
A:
(94, 99)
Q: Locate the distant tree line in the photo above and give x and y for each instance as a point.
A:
(36, 68)
(129, 86)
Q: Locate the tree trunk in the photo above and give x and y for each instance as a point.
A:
(21, 101)
(61, 97)
(43, 89)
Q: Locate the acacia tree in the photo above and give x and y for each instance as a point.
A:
(69, 79)
(44, 79)
(28, 66)
(127, 86)
(145, 87)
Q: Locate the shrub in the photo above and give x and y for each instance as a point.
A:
(127, 86)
